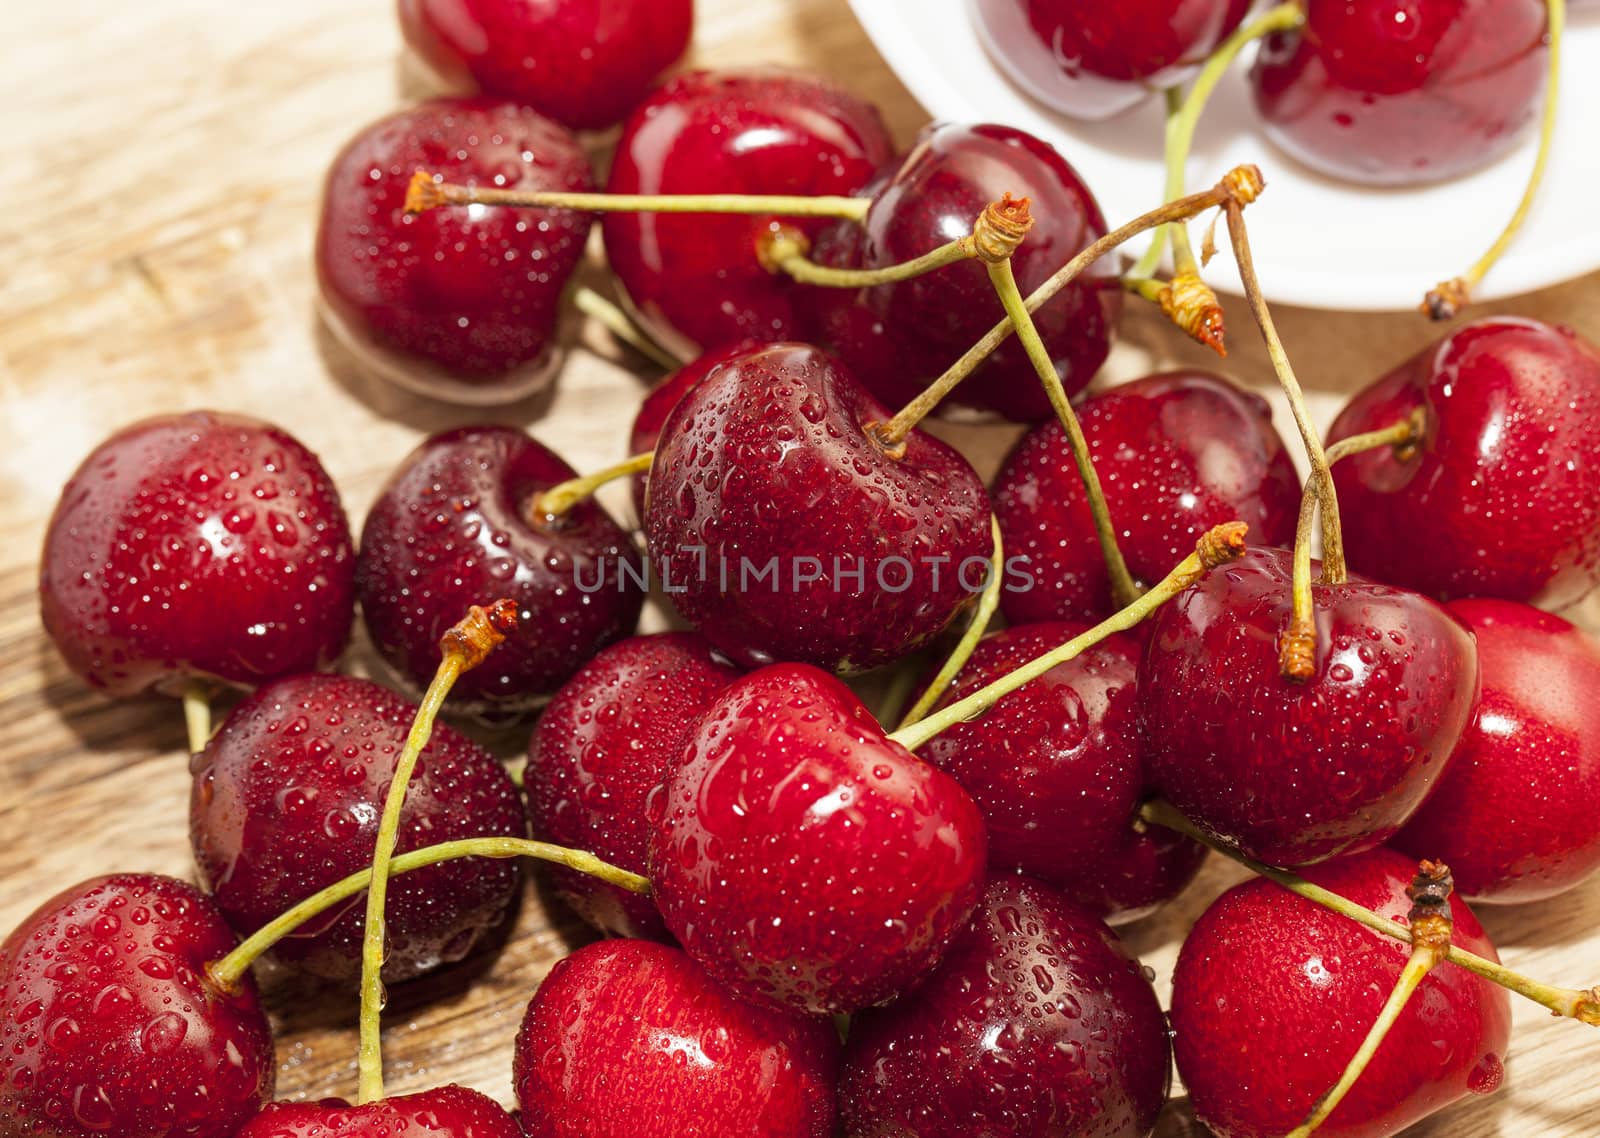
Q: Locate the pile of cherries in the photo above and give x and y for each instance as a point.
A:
(941, 883)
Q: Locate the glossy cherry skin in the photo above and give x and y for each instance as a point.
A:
(768, 463)
(1092, 60)
(286, 800)
(584, 64)
(1037, 1024)
(628, 1039)
(1396, 92)
(1057, 770)
(898, 338)
(1176, 454)
(448, 1110)
(695, 280)
(805, 859)
(1294, 772)
(603, 745)
(1514, 815)
(454, 527)
(1502, 496)
(109, 1027)
(199, 547)
(1273, 995)
(456, 303)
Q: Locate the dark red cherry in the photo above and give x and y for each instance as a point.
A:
(1514, 816)
(1273, 994)
(1037, 1024)
(695, 279)
(449, 1110)
(1395, 92)
(1293, 772)
(585, 64)
(602, 746)
(1057, 770)
(898, 338)
(109, 1027)
(198, 547)
(804, 858)
(1176, 453)
(628, 1039)
(456, 526)
(783, 530)
(1090, 59)
(286, 800)
(460, 304)
(1501, 498)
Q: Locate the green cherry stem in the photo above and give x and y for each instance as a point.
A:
(988, 601)
(614, 320)
(558, 499)
(197, 715)
(429, 191)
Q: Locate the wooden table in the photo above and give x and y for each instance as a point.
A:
(163, 162)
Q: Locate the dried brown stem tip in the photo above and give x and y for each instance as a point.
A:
(1430, 920)
(479, 633)
(1000, 228)
(1297, 651)
(1588, 1010)
(424, 193)
(1192, 305)
(1221, 544)
(1244, 183)
(1447, 299)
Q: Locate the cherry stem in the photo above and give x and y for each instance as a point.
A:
(463, 646)
(1217, 546)
(558, 499)
(1571, 1003)
(197, 715)
(988, 601)
(1189, 303)
(1449, 297)
(614, 320)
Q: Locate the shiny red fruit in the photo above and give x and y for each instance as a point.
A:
(449, 1110)
(455, 303)
(628, 1039)
(203, 547)
(286, 800)
(109, 1027)
(805, 859)
(1273, 995)
(1294, 772)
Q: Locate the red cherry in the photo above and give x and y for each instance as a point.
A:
(109, 1027)
(1273, 995)
(585, 64)
(1514, 815)
(1056, 769)
(1293, 772)
(455, 526)
(898, 338)
(1037, 1024)
(804, 858)
(1176, 453)
(203, 546)
(767, 466)
(459, 304)
(627, 1039)
(1395, 92)
(696, 279)
(1501, 497)
(602, 746)
(286, 800)
(449, 1110)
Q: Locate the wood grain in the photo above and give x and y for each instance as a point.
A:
(164, 162)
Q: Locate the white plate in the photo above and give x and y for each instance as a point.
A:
(1317, 242)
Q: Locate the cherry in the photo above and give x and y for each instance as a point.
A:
(602, 746)
(1292, 772)
(286, 800)
(768, 467)
(1092, 60)
(196, 548)
(109, 1027)
(456, 524)
(457, 304)
(584, 64)
(801, 856)
(897, 338)
(1273, 994)
(696, 280)
(1056, 769)
(628, 1039)
(1176, 453)
(1395, 92)
(1501, 496)
(428, 1114)
(1513, 816)
(1037, 1022)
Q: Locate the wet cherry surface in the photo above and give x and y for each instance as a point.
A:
(449, 1110)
